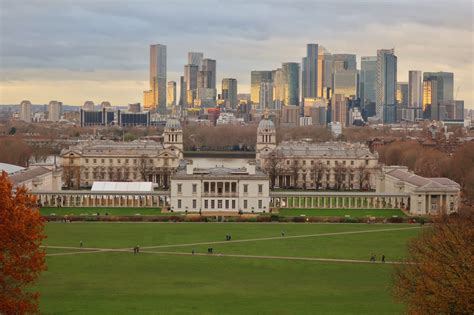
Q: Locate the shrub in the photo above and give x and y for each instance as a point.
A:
(274, 218)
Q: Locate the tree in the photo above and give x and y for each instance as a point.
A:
(144, 167)
(72, 176)
(438, 275)
(295, 171)
(273, 167)
(319, 169)
(21, 258)
(340, 172)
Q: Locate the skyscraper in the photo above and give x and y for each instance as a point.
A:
(25, 111)
(182, 92)
(195, 58)
(278, 88)
(229, 92)
(291, 83)
(210, 66)
(256, 77)
(325, 70)
(367, 79)
(88, 105)
(386, 85)
(158, 76)
(415, 95)
(190, 79)
(445, 86)
(343, 62)
(339, 109)
(430, 99)
(402, 94)
(266, 95)
(310, 72)
(171, 95)
(345, 83)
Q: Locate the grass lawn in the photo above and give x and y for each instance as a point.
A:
(153, 283)
(102, 210)
(356, 213)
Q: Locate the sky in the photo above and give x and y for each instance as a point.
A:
(78, 50)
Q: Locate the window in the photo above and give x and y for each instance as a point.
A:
(352, 162)
(118, 161)
(134, 161)
(260, 204)
(245, 204)
(194, 188)
(102, 161)
(227, 204)
(110, 161)
(94, 161)
(219, 204)
(260, 189)
(179, 203)
(151, 161)
(206, 204)
(234, 187)
(87, 160)
(180, 188)
(126, 161)
(194, 203)
(312, 162)
(366, 162)
(233, 204)
(206, 187)
(328, 162)
(304, 162)
(246, 188)
(212, 204)
(287, 162)
(344, 162)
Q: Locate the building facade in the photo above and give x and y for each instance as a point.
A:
(55, 110)
(229, 92)
(309, 71)
(219, 189)
(386, 82)
(124, 161)
(158, 76)
(171, 95)
(25, 111)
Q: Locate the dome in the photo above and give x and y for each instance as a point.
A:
(173, 124)
(266, 124)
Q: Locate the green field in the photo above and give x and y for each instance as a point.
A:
(166, 279)
(355, 213)
(102, 210)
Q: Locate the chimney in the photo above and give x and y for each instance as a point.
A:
(189, 167)
(251, 167)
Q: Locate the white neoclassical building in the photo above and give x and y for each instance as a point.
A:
(124, 161)
(428, 196)
(219, 189)
(309, 165)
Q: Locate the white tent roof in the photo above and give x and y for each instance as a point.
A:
(10, 168)
(122, 186)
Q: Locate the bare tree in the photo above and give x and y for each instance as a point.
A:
(273, 166)
(340, 172)
(72, 176)
(295, 170)
(144, 167)
(319, 169)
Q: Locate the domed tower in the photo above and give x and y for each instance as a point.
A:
(173, 136)
(266, 137)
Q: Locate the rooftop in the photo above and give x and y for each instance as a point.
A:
(10, 168)
(324, 149)
(424, 183)
(122, 186)
(28, 174)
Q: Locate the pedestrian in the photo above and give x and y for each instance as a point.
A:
(282, 233)
(383, 258)
(134, 250)
(192, 251)
(138, 249)
(227, 237)
(80, 244)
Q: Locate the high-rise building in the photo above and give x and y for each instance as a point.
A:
(25, 111)
(278, 88)
(266, 95)
(310, 72)
(325, 70)
(182, 92)
(195, 58)
(55, 110)
(171, 97)
(291, 83)
(190, 79)
(402, 94)
(88, 105)
(209, 65)
(148, 100)
(105, 104)
(430, 99)
(339, 109)
(229, 92)
(158, 77)
(367, 79)
(256, 77)
(345, 83)
(415, 96)
(343, 62)
(134, 108)
(386, 85)
(445, 88)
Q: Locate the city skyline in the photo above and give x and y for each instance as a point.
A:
(84, 65)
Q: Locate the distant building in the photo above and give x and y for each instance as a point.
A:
(339, 109)
(291, 83)
(229, 92)
(415, 95)
(219, 189)
(445, 84)
(368, 79)
(148, 100)
(125, 118)
(134, 108)
(256, 78)
(195, 58)
(171, 96)
(105, 104)
(25, 111)
(190, 80)
(38, 178)
(290, 116)
(158, 77)
(430, 99)
(345, 83)
(55, 110)
(103, 117)
(266, 95)
(386, 83)
(309, 71)
(88, 105)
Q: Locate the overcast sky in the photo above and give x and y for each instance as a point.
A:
(98, 50)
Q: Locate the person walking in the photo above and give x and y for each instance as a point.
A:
(282, 233)
(192, 252)
(138, 249)
(383, 258)
(80, 244)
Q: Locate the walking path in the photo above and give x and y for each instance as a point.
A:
(88, 250)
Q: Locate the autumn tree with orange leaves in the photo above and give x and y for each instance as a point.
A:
(438, 276)
(21, 258)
